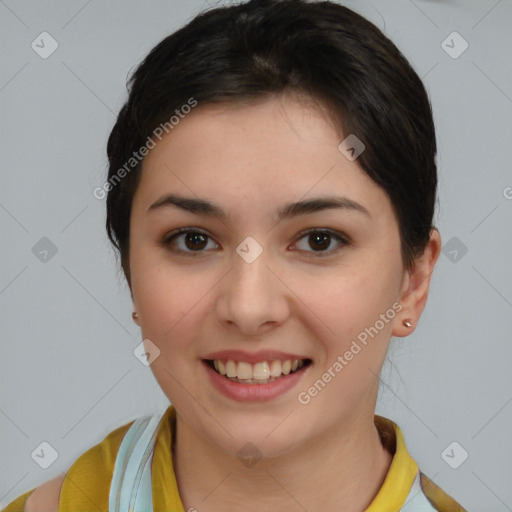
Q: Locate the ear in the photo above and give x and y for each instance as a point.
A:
(135, 315)
(416, 285)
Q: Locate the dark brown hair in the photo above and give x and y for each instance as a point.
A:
(267, 47)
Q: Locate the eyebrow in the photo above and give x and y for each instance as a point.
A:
(288, 210)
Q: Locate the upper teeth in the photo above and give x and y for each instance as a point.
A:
(259, 371)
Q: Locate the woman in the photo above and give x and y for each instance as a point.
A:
(271, 191)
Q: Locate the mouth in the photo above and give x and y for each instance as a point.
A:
(263, 372)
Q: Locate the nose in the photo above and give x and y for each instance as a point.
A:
(251, 297)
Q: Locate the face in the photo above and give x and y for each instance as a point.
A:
(263, 284)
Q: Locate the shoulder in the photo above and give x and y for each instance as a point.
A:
(45, 498)
(87, 481)
(86, 484)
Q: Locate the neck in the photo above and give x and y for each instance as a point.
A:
(341, 469)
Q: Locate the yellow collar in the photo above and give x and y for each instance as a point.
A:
(400, 477)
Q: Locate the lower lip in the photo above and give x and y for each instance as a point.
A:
(254, 392)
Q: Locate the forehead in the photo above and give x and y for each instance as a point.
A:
(274, 151)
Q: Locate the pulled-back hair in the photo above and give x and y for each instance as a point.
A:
(320, 50)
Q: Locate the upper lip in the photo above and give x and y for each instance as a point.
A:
(253, 357)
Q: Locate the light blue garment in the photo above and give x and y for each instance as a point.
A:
(131, 487)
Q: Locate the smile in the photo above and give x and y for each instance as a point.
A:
(262, 372)
(256, 381)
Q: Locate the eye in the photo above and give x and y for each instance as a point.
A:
(192, 241)
(321, 239)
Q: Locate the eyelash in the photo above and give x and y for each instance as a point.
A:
(342, 239)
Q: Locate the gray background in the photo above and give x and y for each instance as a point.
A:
(68, 373)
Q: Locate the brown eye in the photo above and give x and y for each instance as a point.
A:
(188, 241)
(321, 240)
(195, 241)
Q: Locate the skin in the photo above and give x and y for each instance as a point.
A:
(46, 497)
(250, 159)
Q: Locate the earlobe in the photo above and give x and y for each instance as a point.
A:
(135, 317)
(416, 286)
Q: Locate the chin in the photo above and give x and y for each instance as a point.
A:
(267, 438)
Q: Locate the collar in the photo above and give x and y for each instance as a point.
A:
(402, 471)
(391, 496)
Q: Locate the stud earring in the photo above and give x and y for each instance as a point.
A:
(135, 315)
(407, 323)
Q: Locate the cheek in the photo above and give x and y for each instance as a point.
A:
(357, 307)
(164, 299)
(351, 302)
(172, 301)
(355, 345)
